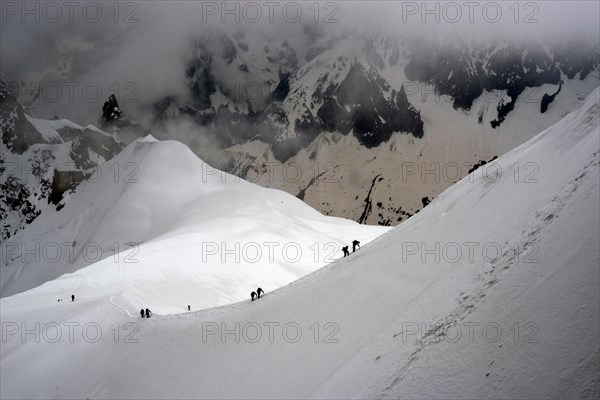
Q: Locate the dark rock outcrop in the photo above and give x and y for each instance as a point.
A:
(18, 134)
(358, 105)
(547, 99)
(463, 73)
(110, 110)
(64, 181)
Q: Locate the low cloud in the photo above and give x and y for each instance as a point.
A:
(139, 49)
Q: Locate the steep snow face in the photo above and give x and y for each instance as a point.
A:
(170, 214)
(519, 321)
(520, 255)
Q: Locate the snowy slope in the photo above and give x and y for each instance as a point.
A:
(172, 215)
(545, 275)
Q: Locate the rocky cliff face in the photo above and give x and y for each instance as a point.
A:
(298, 101)
(360, 105)
(354, 106)
(34, 153)
(18, 134)
(464, 72)
(366, 105)
(340, 83)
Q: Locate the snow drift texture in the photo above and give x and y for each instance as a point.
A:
(541, 272)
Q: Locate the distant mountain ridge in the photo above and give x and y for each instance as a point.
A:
(337, 83)
(42, 159)
(350, 106)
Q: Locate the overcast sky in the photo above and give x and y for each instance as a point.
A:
(143, 42)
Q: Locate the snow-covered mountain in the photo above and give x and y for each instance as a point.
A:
(325, 112)
(358, 106)
(43, 159)
(157, 211)
(491, 291)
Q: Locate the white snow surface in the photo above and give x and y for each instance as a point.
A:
(49, 128)
(387, 317)
(156, 212)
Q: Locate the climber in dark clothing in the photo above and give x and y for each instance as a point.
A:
(355, 244)
(253, 295)
(345, 250)
(188, 308)
(259, 291)
(72, 297)
(148, 313)
(142, 312)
